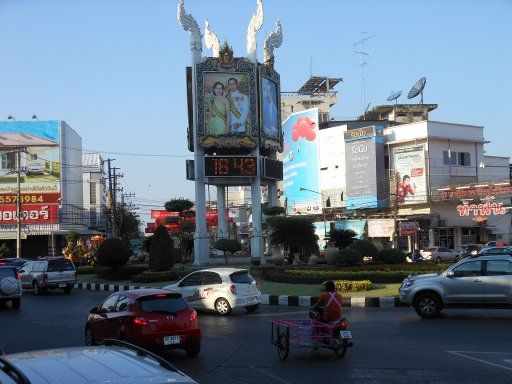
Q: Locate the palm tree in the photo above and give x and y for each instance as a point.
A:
(342, 238)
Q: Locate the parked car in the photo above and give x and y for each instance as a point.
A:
(10, 287)
(35, 168)
(151, 318)
(482, 281)
(219, 289)
(469, 250)
(17, 262)
(114, 362)
(496, 251)
(495, 244)
(439, 254)
(48, 273)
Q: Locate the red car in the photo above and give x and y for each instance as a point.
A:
(151, 318)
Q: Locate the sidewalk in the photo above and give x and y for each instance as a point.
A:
(281, 300)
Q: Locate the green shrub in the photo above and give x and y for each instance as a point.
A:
(155, 277)
(123, 273)
(85, 270)
(228, 245)
(112, 253)
(349, 256)
(351, 285)
(273, 210)
(161, 252)
(342, 238)
(178, 205)
(391, 256)
(366, 247)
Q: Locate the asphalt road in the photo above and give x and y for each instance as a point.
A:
(391, 345)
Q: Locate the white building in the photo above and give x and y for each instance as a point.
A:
(94, 190)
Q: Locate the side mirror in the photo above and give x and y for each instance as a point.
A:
(450, 274)
(95, 311)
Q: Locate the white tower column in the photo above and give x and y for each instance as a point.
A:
(222, 227)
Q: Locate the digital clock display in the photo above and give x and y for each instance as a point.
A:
(230, 166)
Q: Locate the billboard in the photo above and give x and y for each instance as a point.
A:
(41, 176)
(410, 173)
(364, 159)
(381, 227)
(270, 110)
(301, 164)
(226, 104)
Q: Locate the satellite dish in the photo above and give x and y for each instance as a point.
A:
(417, 89)
(394, 96)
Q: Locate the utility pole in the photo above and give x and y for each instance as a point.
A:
(115, 189)
(110, 195)
(123, 208)
(18, 202)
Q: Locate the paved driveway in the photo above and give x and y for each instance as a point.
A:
(391, 345)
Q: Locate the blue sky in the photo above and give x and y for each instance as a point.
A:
(114, 69)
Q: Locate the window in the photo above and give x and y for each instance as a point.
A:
(172, 303)
(241, 277)
(443, 237)
(470, 235)
(449, 158)
(210, 278)
(110, 304)
(33, 157)
(123, 304)
(92, 186)
(60, 265)
(442, 249)
(470, 269)
(499, 267)
(464, 159)
(191, 280)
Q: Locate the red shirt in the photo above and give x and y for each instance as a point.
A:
(332, 310)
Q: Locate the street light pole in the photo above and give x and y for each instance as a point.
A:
(323, 208)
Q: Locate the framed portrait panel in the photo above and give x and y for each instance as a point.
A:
(271, 135)
(226, 105)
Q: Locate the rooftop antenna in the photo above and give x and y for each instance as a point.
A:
(360, 48)
(417, 89)
(394, 96)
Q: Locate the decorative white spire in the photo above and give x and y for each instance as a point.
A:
(211, 40)
(273, 40)
(188, 23)
(254, 25)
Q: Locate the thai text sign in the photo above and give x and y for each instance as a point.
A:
(408, 228)
(485, 209)
(30, 213)
(381, 227)
(476, 192)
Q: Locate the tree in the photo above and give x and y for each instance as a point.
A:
(178, 205)
(366, 247)
(342, 238)
(127, 223)
(273, 210)
(161, 251)
(112, 253)
(349, 256)
(298, 233)
(72, 237)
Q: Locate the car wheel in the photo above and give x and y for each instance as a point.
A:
(222, 307)
(252, 308)
(89, 337)
(193, 348)
(16, 303)
(67, 290)
(438, 259)
(37, 289)
(427, 305)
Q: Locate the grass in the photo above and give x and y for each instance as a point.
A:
(268, 287)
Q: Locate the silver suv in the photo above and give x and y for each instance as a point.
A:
(482, 281)
(48, 273)
(10, 287)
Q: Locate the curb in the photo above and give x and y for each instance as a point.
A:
(279, 300)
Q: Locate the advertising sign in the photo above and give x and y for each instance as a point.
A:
(364, 156)
(300, 163)
(408, 228)
(226, 103)
(357, 226)
(381, 227)
(40, 160)
(410, 171)
(30, 213)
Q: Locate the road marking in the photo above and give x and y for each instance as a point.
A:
(461, 354)
(268, 374)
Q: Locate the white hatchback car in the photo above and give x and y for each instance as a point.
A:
(219, 289)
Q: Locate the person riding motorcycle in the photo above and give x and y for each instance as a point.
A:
(329, 304)
(416, 257)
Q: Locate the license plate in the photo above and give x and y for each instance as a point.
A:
(168, 340)
(346, 334)
(62, 285)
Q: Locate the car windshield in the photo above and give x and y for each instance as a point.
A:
(241, 277)
(162, 304)
(60, 265)
(7, 272)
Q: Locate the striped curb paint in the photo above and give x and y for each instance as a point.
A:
(278, 300)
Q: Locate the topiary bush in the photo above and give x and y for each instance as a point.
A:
(112, 253)
(349, 256)
(391, 256)
(342, 238)
(351, 285)
(162, 252)
(366, 247)
(273, 210)
(228, 245)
